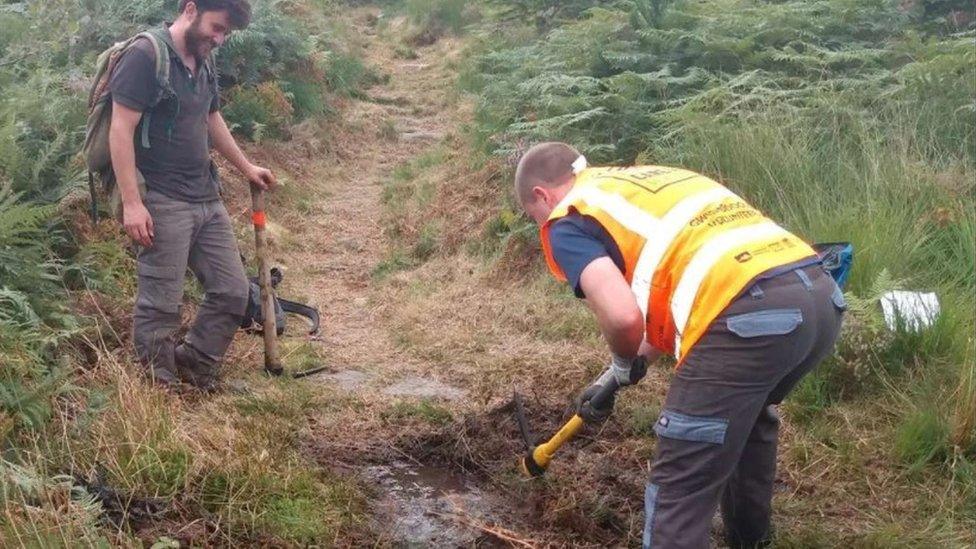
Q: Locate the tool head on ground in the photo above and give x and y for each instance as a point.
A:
(537, 458)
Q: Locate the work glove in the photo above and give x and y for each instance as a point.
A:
(625, 371)
(590, 414)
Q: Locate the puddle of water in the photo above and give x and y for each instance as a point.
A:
(419, 502)
(424, 388)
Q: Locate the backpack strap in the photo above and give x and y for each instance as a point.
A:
(210, 65)
(161, 51)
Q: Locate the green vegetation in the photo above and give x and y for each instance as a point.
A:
(436, 18)
(410, 189)
(424, 410)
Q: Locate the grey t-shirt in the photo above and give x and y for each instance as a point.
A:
(177, 163)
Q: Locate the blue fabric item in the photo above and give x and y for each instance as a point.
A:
(837, 259)
(691, 428)
(578, 240)
(650, 503)
(765, 323)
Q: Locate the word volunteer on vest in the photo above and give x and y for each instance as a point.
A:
(690, 246)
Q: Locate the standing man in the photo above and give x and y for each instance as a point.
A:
(670, 261)
(180, 221)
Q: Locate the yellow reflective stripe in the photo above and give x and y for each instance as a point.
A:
(705, 258)
(673, 222)
(628, 215)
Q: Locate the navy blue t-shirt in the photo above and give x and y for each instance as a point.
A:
(576, 241)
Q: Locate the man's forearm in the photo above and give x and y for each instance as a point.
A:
(609, 296)
(624, 340)
(124, 164)
(224, 143)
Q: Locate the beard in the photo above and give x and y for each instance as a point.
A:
(198, 44)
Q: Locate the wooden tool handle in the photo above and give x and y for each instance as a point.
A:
(272, 364)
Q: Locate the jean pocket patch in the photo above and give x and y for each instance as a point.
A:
(691, 428)
(838, 298)
(765, 323)
(160, 287)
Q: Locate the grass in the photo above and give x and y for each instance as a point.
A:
(921, 438)
(397, 260)
(411, 189)
(436, 18)
(238, 460)
(423, 410)
(641, 417)
(47, 511)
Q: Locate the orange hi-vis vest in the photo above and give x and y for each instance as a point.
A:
(690, 246)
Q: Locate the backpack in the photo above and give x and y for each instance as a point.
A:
(96, 151)
(837, 259)
(253, 318)
(98, 157)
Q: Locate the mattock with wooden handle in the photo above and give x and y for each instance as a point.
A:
(272, 364)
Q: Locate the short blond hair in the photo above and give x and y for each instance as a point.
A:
(544, 165)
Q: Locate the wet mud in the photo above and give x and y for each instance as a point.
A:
(430, 506)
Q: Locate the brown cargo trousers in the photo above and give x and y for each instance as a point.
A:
(718, 430)
(201, 236)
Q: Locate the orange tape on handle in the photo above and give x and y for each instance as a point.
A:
(259, 219)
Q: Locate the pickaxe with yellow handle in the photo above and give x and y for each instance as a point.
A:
(537, 458)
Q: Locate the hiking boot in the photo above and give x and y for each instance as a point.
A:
(162, 376)
(193, 370)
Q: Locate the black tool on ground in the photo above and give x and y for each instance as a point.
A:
(252, 316)
(120, 509)
(537, 458)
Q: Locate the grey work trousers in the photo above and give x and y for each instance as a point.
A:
(201, 236)
(718, 430)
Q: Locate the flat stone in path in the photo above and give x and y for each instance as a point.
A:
(347, 380)
(424, 388)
